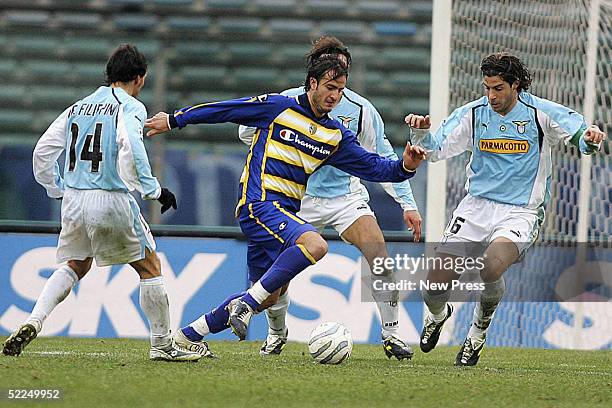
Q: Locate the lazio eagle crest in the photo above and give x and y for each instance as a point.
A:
(520, 125)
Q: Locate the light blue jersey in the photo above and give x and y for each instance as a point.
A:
(511, 154)
(359, 115)
(102, 135)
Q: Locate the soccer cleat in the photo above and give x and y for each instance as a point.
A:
(394, 347)
(468, 355)
(16, 342)
(431, 331)
(274, 344)
(239, 318)
(200, 347)
(172, 353)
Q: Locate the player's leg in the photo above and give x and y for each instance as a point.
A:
(120, 235)
(154, 303)
(436, 301)
(74, 252)
(366, 235)
(514, 231)
(463, 236)
(298, 243)
(259, 259)
(311, 210)
(56, 289)
(499, 256)
(276, 308)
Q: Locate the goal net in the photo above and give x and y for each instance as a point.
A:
(553, 38)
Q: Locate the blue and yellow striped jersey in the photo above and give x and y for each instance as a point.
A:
(289, 145)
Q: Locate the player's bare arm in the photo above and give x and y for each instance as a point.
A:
(158, 124)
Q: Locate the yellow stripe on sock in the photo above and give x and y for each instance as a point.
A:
(306, 253)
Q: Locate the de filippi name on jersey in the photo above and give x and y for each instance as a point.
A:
(94, 109)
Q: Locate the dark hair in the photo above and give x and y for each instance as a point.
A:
(125, 64)
(508, 67)
(319, 67)
(328, 45)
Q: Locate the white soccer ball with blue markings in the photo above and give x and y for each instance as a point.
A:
(330, 343)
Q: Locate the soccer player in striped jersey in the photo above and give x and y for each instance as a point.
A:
(295, 137)
(510, 133)
(337, 199)
(105, 159)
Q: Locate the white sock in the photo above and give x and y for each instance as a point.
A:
(154, 303)
(200, 326)
(56, 289)
(258, 292)
(485, 309)
(387, 303)
(276, 315)
(389, 312)
(436, 304)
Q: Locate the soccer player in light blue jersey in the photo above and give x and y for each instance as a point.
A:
(105, 159)
(510, 133)
(337, 199)
(295, 137)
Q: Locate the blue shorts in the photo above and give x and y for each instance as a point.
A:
(269, 229)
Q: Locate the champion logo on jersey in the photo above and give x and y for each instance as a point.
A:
(504, 146)
(282, 225)
(520, 125)
(346, 120)
(287, 135)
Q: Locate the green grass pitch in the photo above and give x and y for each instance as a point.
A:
(117, 372)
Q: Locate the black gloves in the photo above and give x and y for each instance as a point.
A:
(167, 200)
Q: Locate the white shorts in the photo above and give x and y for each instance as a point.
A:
(338, 212)
(106, 225)
(476, 222)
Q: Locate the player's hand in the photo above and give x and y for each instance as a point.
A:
(167, 200)
(594, 135)
(412, 157)
(413, 221)
(158, 124)
(418, 121)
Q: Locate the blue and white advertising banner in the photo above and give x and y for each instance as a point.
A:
(201, 272)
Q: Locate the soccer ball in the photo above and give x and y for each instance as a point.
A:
(330, 343)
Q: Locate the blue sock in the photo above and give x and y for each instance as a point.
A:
(218, 317)
(191, 334)
(290, 262)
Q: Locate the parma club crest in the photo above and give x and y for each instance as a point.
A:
(312, 129)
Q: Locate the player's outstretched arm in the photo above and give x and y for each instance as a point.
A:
(158, 124)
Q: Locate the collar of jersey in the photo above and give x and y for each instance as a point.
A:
(305, 103)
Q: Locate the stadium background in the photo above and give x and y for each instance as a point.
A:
(201, 50)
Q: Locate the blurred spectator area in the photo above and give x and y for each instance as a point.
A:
(54, 52)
